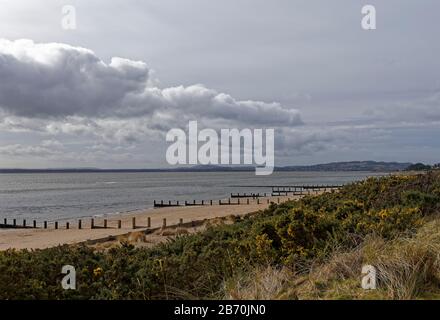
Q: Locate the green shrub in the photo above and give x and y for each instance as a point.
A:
(288, 235)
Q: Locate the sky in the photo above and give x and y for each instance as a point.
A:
(106, 93)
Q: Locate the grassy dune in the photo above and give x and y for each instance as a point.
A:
(309, 249)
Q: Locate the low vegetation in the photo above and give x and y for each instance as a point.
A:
(313, 248)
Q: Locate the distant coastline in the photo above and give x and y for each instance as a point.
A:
(372, 166)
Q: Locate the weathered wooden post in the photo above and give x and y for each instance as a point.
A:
(164, 223)
(119, 224)
(238, 200)
(181, 222)
(105, 223)
(229, 201)
(211, 202)
(6, 221)
(258, 200)
(278, 200)
(56, 224)
(203, 202)
(92, 223)
(219, 202)
(24, 223)
(133, 223)
(154, 203)
(178, 203)
(14, 222)
(45, 224)
(148, 222)
(35, 224)
(67, 225)
(248, 201)
(79, 224)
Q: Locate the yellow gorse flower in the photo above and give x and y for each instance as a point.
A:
(97, 271)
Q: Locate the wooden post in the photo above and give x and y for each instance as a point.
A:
(268, 201)
(211, 202)
(14, 222)
(258, 200)
(45, 224)
(238, 200)
(6, 221)
(133, 223)
(278, 200)
(35, 224)
(56, 224)
(79, 224)
(119, 224)
(24, 223)
(164, 223)
(67, 225)
(203, 202)
(92, 223)
(248, 201)
(105, 223)
(229, 201)
(154, 202)
(178, 203)
(148, 222)
(180, 222)
(219, 202)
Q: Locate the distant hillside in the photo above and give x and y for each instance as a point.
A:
(351, 166)
(335, 166)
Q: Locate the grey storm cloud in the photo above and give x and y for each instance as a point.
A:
(41, 80)
(58, 81)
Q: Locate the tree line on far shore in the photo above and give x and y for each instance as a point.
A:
(422, 167)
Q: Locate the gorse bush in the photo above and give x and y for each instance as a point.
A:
(288, 236)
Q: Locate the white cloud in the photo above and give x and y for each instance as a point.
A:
(52, 144)
(18, 150)
(62, 82)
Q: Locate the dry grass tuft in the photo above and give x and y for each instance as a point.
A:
(261, 284)
(407, 268)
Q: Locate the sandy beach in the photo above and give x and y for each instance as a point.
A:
(44, 238)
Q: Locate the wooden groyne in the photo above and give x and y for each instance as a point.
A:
(301, 189)
(14, 225)
(277, 191)
(195, 203)
(78, 224)
(248, 195)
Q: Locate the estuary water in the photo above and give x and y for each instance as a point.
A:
(56, 196)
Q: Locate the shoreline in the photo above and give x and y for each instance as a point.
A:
(39, 238)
